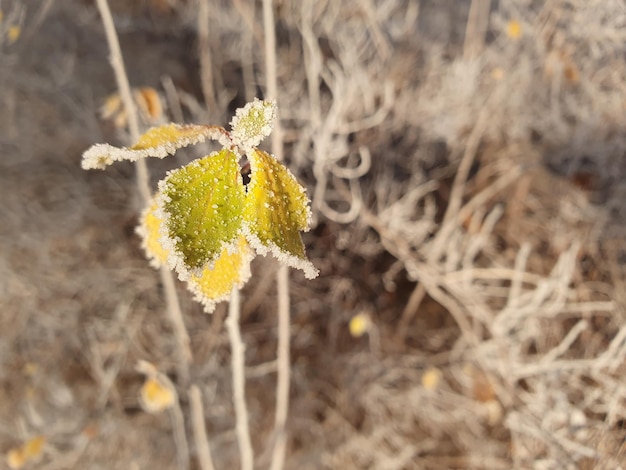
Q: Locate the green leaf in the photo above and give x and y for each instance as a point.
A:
(201, 205)
(231, 268)
(276, 210)
(157, 142)
(253, 123)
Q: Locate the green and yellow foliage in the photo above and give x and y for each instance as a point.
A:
(204, 222)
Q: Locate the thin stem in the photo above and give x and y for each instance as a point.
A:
(239, 381)
(143, 186)
(199, 431)
(180, 438)
(412, 306)
(271, 75)
(175, 315)
(282, 277)
(176, 415)
(204, 46)
(270, 50)
(476, 28)
(283, 362)
(117, 63)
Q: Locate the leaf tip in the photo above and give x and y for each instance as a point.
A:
(290, 259)
(97, 157)
(231, 270)
(252, 123)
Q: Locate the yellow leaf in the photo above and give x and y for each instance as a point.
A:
(149, 103)
(150, 231)
(276, 210)
(514, 29)
(170, 137)
(158, 142)
(231, 269)
(155, 396)
(1, 15)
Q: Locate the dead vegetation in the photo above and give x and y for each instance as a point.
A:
(465, 163)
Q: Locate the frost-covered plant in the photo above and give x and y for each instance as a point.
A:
(204, 222)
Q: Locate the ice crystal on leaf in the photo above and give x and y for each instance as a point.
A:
(203, 222)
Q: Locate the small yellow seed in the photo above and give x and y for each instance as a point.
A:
(31, 451)
(431, 378)
(15, 459)
(33, 448)
(514, 29)
(13, 33)
(493, 412)
(497, 73)
(360, 324)
(30, 369)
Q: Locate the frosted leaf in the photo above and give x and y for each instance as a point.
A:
(253, 123)
(201, 207)
(231, 269)
(149, 229)
(157, 142)
(164, 140)
(276, 210)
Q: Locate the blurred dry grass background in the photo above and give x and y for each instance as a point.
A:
(466, 162)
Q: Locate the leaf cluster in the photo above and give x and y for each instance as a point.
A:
(203, 222)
